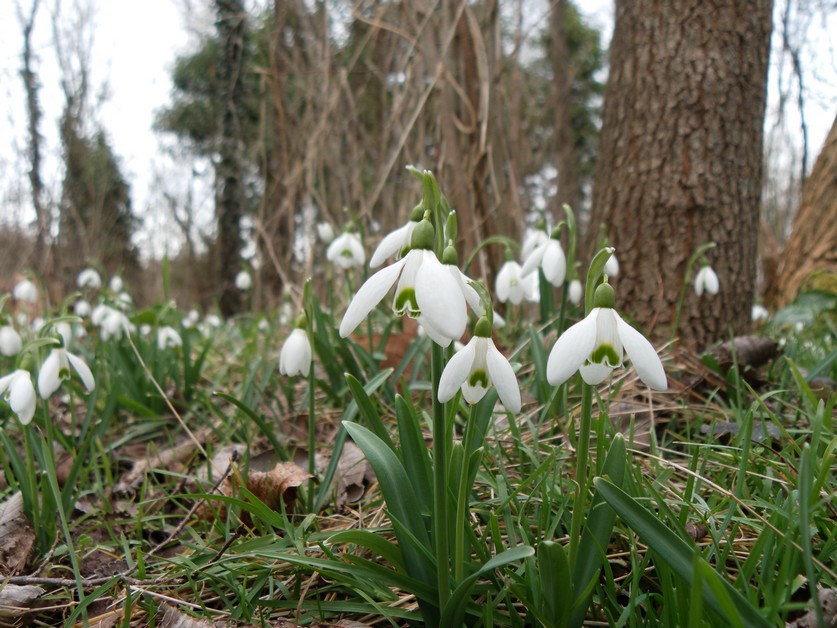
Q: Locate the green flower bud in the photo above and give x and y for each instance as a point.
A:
(604, 296)
(424, 236)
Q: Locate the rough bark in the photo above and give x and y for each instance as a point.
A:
(810, 256)
(33, 114)
(681, 158)
(569, 182)
(229, 172)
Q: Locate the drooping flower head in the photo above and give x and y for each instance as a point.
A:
(89, 278)
(477, 366)
(425, 288)
(325, 232)
(346, 251)
(597, 344)
(25, 290)
(612, 266)
(295, 357)
(243, 281)
(511, 285)
(56, 368)
(549, 257)
(116, 283)
(575, 292)
(168, 338)
(10, 342)
(706, 280)
(18, 389)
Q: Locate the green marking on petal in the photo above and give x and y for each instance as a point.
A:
(406, 301)
(605, 354)
(477, 378)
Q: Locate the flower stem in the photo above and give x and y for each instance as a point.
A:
(581, 464)
(440, 482)
(312, 462)
(460, 549)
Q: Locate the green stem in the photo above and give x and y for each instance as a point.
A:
(312, 463)
(581, 464)
(30, 495)
(460, 549)
(440, 483)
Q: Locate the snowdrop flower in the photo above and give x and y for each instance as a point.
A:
(425, 290)
(89, 278)
(243, 281)
(396, 241)
(707, 280)
(264, 325)
(56, 368)
(325, 232)
(575, 292)
(81, 308)
(124, 300)
(79, 331)
(532, 240)
(18, 389)
(168, 338)
(472, 298)
(191, 319)
(38, 324)
(65, 331)
(100, 313)
(611, 268)
(10, 342)
(596, 345)
(759, 313)
(549, 256)
(346, 251)
(213, 320)
(25, 290)
(476, 366)
(113, 325)
(510, 284)
(116, 283)
(295, 358)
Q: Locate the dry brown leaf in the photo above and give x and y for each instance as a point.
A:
(173, 618)
(828, 603)
(281, 482)
(17, 538)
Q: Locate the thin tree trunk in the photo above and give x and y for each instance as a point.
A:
(230, 24)
(681, 157)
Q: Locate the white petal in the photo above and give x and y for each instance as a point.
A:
(48, 376)
(391, 245)
(593, 373)
(534, 260)
(502, 376)
(612, 266)
(6, 381)
(426, 326)
(472, 297)
(575, 292)
(368, 296)
(356, 249)
(607, 333)
(456, 371)
(473, 394)
(554, 263)
(22, 397)
(643, 356)
(439, 297)
(571, 350)
(711, 281)
(295, 357)
(509, 274)
(83, 371)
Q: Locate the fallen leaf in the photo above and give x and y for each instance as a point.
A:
(16, 600)
(828, 604)
(173, 618)
(281, 482)
(17, 538)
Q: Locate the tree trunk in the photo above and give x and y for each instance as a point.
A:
(681, 158)
(229, 210)
(566, 160)
(810, 256)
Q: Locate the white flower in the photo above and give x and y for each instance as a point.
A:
(116, 283)
(100, 313)
(325, 232)
(510, 284)
(707, 280)
(596, 345)
(477, 365)
(575, 292)
(10, 342)
(81, 308)
(124, 300)
(549, 256)
(213, 320)
(611, 266)
(18, 388)
(295, 358)
(38, 324)
(168, 338)
(243, 281)
(264, 325)
(191, 319)
(114, 324)
(393, 243)
(532, 240)
(56, 368)
(25, 290)
(65, 331)
(346, 251)
(426, 289)
(759, 313)
(89, 278)
(145, 329)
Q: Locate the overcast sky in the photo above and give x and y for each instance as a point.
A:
(135, 44)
